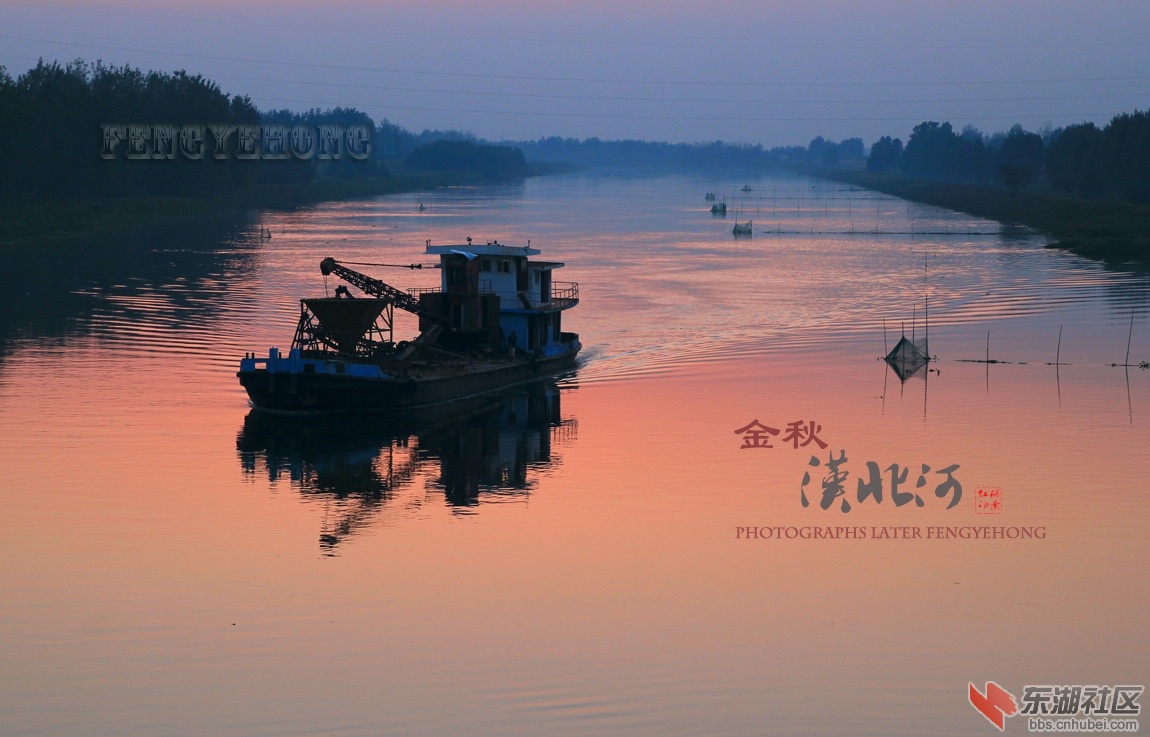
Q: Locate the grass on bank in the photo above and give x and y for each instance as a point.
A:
(1107, 230)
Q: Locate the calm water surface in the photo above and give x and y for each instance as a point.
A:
(566, 559)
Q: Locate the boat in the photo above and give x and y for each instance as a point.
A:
(719, 208)
(742, 228)
(495, 321)
(746, 188)
(710, 197)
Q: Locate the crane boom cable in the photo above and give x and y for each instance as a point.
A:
(376, 288)
(391, 266)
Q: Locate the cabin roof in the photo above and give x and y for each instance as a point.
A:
(490, 249)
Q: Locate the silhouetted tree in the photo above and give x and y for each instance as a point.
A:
(1020, 158)
(344, 167)
(493, 162)
(1015, 177)
(1073, 160)
(935, 151)
(884, 154)
(56, 112)
(632, 153)
(850, 148)
(1125, 157)
(822, 152)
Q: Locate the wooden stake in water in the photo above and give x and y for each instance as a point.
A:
(988, 362)
(927, 339)
(1058, 366)
(926, 303)
(1129, 337)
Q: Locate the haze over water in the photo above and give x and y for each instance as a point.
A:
(566, 560)
(777, 73)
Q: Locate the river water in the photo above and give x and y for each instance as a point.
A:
(607, 554)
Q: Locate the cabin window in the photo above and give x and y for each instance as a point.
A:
(505, 266)
(485, 264)
(536, 278)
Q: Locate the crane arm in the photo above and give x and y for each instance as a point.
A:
(376, 288)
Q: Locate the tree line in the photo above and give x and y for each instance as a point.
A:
(1081, 160)
(632, 153)
(54, 119)
(60, 122)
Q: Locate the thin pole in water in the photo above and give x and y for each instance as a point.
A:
(1129, 337)
(926, 298)
(1058, 366)
(988, 362)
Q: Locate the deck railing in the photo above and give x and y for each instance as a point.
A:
(564, 294)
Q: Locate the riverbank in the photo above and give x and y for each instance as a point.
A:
(28, 222)
(70, 218)
(1107, 230)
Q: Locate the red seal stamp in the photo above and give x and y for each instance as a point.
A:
(988, 500)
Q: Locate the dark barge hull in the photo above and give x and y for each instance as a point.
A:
(300, 393)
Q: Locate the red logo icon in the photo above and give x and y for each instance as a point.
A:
(996, 704)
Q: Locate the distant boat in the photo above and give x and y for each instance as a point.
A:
(719, 208)
(742, 228)
(710, 197)
(746, 188)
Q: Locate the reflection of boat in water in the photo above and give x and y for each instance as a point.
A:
(495, 321)
(742, 228)
(481, 449)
